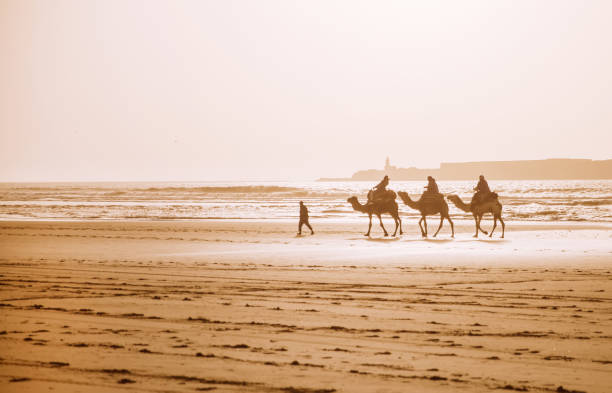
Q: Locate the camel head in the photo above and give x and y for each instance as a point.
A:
(453, 198)
(354, 202)
(408, 201)
(404, 195)
(459, 203)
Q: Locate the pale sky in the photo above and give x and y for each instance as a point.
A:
(295, 90)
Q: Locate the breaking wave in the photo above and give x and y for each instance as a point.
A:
(600, 202)
(521, 200)
(228, 189)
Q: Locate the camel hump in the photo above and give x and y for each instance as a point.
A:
(388, 195)
(431, 197)
(489, 197)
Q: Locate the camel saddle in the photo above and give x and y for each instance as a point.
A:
(431, 197)
(487, 197)
(387, 195)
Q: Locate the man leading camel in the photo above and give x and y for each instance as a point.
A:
(482, 191)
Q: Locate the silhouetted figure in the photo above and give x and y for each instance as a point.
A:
(304, 219)
(377, 208)
(432, 187)
(490, 205)
(482, 191)
(429, 207)
(380, 189)
(382, 186)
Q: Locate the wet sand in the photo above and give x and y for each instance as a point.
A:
(229, 306)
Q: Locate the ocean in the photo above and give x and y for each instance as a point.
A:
(546, 200)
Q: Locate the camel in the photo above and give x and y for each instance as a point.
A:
(429, 206)
(378, 208)
(490, 205)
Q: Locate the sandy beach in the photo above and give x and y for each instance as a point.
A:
(230, 306)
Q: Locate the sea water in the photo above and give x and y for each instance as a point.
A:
(546, 200)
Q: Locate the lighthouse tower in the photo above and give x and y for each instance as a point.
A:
(387, 164)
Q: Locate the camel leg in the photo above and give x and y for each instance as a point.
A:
(369, 226)
(425, 222)
(395, 219)
(421, 227)
(494, 225)
(382, 226)
(503, 226)
(400, 223)
(476, 223)
(479, 227)
(440, 227)
(452, 226)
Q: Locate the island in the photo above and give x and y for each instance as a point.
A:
(549, 169)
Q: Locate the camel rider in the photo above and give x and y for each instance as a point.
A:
(482, 190)
(381, 188)
(432, 187)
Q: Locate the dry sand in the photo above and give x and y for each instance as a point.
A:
(229, 306)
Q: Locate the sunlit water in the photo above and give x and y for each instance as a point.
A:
(552, 200)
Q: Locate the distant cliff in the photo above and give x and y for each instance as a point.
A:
(551, 169)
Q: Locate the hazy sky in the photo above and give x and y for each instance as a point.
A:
(214, 90)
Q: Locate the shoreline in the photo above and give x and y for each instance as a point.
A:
(551, 201)
(336, 243)
(433, 221)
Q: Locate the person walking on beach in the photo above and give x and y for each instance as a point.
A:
(304, 219)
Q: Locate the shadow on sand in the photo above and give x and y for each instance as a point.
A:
(484, 240)
(450, 240)
(303, 235)
(438, 240)
(430, 240)
(377, 239)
